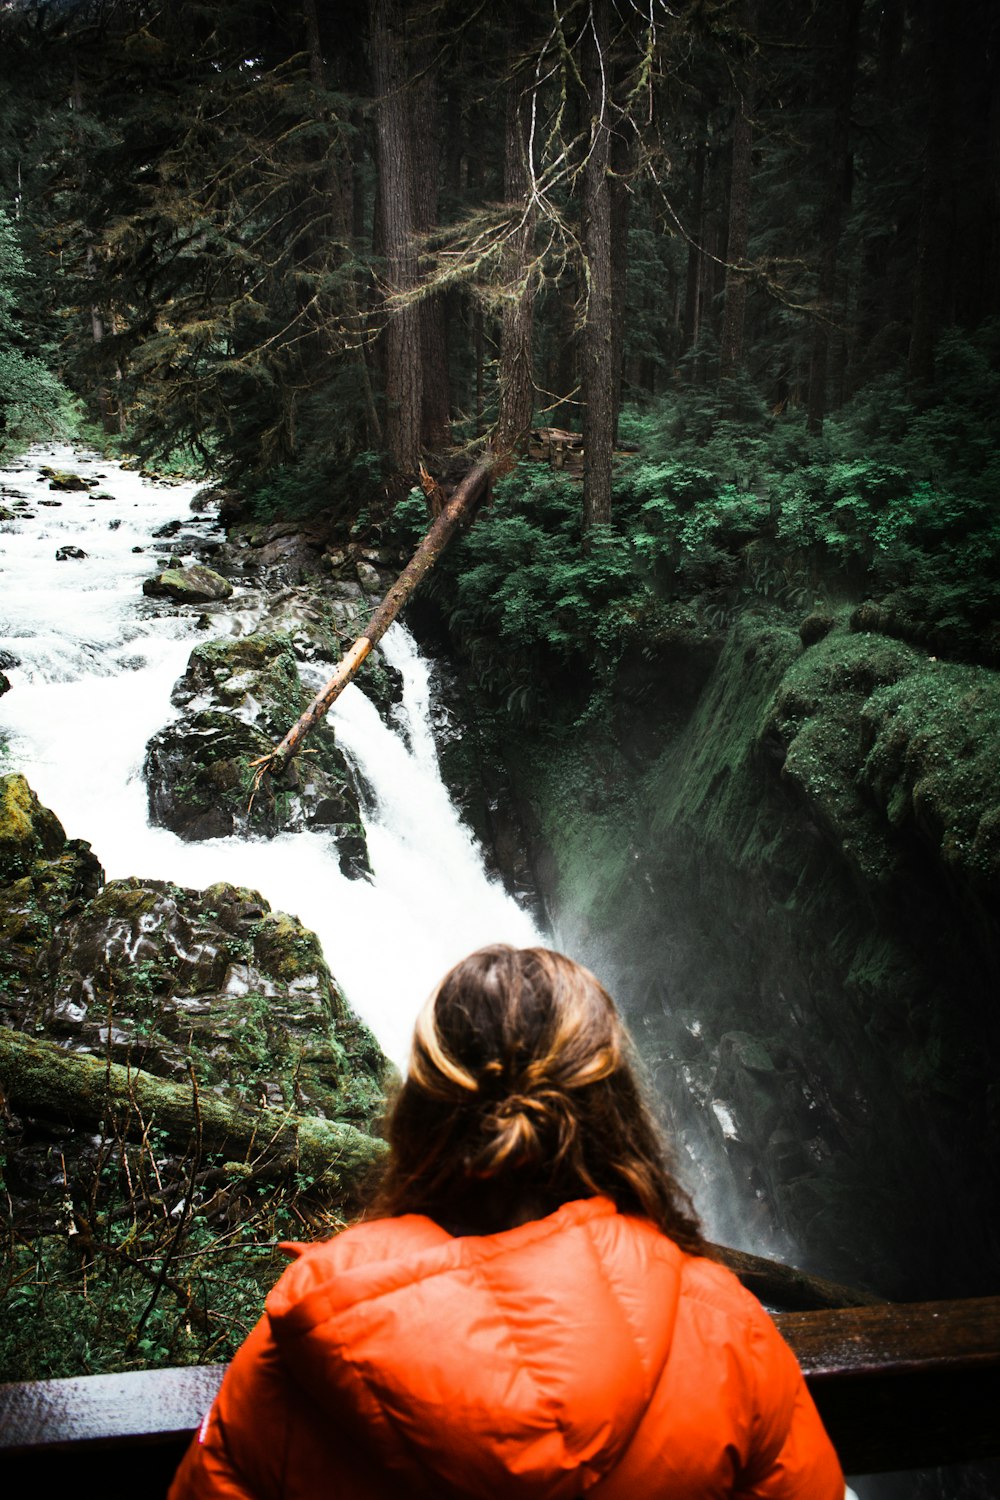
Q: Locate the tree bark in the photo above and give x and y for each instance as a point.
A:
(735, 293)
(933, 274)
(339, 184)
(843, 22)
(517, 386)
(621, 161)
(403, 337)
(692, 293)
(598, 343)
(458, 509)
(40, 1078)
(424, 135)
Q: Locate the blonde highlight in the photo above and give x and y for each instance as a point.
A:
(522, 1094)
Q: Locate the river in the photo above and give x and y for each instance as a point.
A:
(91, 663)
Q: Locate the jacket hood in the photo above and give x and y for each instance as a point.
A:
(466, 1363)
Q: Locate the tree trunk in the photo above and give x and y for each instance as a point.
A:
(735, 294)
(424, 131)
(40, 1078)
(458, 509)
(933, 274)
(517, 386)
(339, 187)
(402, 338)
(598, 344)
(843, 23)
(621, 159)
(692, 294)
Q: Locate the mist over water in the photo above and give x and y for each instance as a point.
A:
(93, 664)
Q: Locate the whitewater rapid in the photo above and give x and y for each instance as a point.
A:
(91, 664)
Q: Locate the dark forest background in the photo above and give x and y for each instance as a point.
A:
(307, 243)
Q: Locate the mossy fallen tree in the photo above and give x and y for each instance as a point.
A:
(39, 1078)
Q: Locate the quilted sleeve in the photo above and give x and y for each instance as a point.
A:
(792, 1457)
(238, 1452)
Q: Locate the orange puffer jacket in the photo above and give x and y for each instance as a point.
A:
(580, 1354)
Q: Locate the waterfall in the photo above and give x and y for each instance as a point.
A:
(91, 663)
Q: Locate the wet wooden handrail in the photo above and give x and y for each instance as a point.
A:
(904, 1385)
(899, 1386)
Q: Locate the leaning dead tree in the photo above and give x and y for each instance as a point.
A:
(454, 512)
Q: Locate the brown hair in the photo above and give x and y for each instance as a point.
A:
(521, 1095)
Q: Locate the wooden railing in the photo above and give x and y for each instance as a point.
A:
(899, 1386)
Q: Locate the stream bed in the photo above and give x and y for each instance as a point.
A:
(92, 662)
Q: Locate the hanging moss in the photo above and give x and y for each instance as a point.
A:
(933, 748)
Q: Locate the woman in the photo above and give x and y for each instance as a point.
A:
(528, 1310)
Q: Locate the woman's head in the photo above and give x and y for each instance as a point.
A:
(522, 1095)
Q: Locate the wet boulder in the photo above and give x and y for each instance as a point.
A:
(167, 978)
(199, 775)
(66, 480)
(321, 629)
(170, 980)
(29, 832)
(239, 697)
(70, 554)
(44, 879)
(193, 585)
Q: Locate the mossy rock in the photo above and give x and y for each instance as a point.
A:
(66, 480)
(808, 862)
(164, 978)
(381, 683)
(194, 585)
(241, 695)
(817, 718)
(59, 876)
(199, 777)
(256, 675)
(933, 747)
(28, 831)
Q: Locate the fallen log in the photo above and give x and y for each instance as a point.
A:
(778, 1285)
(38, 1077)
(458, 509)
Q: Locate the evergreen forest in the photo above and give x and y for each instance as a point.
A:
(715, 285)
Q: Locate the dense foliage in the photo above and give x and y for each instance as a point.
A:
(118, 1281)
(202, 194)
(714, 515)
(32, 401)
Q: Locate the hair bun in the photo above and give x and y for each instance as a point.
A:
(523, 1129)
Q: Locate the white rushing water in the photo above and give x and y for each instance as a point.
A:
(91, 665)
